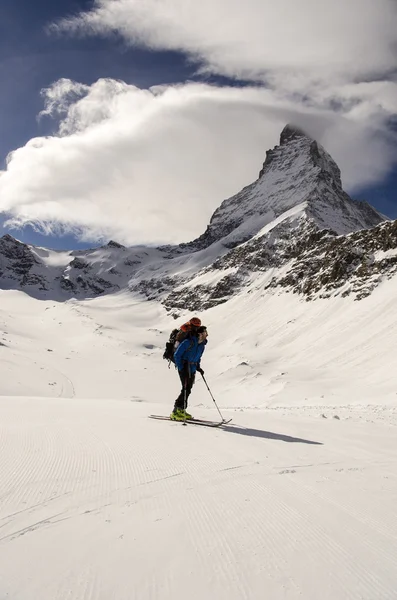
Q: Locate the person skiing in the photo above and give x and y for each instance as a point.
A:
(188, 360)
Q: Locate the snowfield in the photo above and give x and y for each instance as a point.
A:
(296, 498)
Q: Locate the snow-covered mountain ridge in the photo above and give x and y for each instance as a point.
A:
(294, 223)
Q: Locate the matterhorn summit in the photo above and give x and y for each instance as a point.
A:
(297, 174)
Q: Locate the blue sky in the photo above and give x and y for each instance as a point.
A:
(32, 59)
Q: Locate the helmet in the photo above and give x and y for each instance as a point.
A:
(195, 322)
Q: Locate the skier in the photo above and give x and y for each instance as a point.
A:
(187, 360)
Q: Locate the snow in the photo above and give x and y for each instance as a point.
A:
(292, 215)
(381, 254)
(294, 499)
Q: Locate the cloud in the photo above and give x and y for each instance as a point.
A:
(152, 165)
(315, 38)
(327, 54)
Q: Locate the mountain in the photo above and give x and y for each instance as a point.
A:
(294, 224)
(298, 174)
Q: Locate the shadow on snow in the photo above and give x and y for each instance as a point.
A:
(269, 435)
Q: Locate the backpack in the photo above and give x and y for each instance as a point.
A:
(170, 345)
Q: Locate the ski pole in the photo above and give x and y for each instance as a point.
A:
(208, 387)
(185, 395)
(184, 402)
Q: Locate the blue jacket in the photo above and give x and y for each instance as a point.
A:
(189, 351)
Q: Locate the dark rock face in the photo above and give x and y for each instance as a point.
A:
(291, 132)
(113, 244)
(353, 264)
(320, 263)
(78, 263)
(21, 257)
(67, 285)
(17, 264)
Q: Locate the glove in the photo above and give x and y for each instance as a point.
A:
(200, 370)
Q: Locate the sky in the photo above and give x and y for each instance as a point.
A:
(133, 119)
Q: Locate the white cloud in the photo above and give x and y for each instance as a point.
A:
(314, 37)
(152, 165)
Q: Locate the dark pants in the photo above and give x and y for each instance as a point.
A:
(187, 380)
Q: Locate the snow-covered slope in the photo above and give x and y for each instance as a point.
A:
(295, 497)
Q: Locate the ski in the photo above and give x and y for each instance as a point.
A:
(191, 421)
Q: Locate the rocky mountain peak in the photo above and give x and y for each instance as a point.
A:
(298, 175)
(291, 132)
(295, 145)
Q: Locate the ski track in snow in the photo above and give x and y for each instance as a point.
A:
(99, 502)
